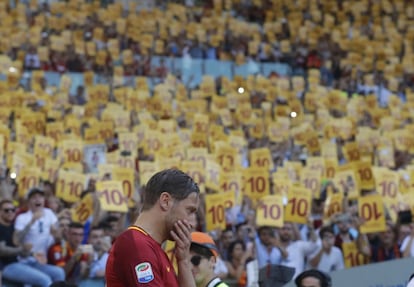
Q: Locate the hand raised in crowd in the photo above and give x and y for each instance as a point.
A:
(249, 254)
(65, 213)
(78, 252)
(90, 253)
(309, 223)
(105, 244)
(357, 222)
(6, 188)
(276, 242)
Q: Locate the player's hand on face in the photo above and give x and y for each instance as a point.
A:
(181, 234)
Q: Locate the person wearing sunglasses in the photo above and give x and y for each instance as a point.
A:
(37, 227)
(11, 255)
(204, 254)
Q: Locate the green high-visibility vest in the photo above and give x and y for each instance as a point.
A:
(221, 284)
(217, 283)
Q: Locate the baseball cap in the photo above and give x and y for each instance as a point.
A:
(33, 191)
(204, 240)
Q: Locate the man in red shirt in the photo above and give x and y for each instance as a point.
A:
(171, 200)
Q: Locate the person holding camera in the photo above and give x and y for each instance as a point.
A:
(94, 274)
(71, 255)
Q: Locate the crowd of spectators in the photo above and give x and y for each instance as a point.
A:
(351, 85)
(330, 36)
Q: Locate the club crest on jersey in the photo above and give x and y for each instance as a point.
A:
(144, 272)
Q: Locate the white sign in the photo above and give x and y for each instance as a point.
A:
(94, 155)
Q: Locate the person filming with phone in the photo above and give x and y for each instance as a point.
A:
(71, 255)
(94, 274)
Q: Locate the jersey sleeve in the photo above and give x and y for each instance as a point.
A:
(138, 262)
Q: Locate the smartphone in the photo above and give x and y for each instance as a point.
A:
(86, 248)
(107, 239)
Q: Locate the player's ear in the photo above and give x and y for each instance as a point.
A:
(166, 201)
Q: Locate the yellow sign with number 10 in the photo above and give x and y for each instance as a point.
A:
(126, 176)
(70, 185)
(216, 206)
(299, 204)
(111, 196)
(352, 257)
(83, 209)
(256, 182)
(27, 179)
(270, 211)
(371, 210)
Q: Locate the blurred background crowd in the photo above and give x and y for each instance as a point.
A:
(309, 166)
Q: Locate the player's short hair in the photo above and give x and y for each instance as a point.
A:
(173, 181)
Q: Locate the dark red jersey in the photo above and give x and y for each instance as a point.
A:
(136, 259)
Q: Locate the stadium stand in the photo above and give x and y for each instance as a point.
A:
(294, 117)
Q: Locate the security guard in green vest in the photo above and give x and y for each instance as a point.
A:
(203, 258)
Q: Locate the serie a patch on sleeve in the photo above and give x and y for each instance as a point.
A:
(144, 272)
